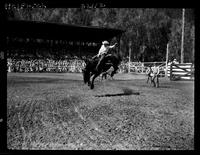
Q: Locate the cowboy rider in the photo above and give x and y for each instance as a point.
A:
(103, 51)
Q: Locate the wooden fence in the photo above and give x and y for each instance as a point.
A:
(183, 71)
(141, 67)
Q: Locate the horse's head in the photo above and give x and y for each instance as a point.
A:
(118, 57)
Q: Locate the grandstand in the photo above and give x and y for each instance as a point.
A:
(36, 41)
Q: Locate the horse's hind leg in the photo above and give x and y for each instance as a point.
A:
(113, 72)
(153, 81)
(112, 77)
(89, 83)
(157, 82)
(103, 76)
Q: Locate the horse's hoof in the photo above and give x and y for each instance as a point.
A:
(92, 87)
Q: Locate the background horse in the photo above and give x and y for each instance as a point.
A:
(152, 76)
(90, 68)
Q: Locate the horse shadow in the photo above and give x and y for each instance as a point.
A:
(126, 92)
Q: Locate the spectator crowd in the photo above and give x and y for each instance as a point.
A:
(45, 65)
(72, 65)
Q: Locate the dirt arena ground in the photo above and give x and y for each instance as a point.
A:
(49, 111)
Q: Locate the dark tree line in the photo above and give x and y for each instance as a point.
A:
(149, 30)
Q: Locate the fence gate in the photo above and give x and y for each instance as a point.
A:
(183, 71)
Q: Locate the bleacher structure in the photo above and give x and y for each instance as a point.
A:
(29, 36)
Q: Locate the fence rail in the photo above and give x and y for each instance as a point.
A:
(173, 71)
(183, 71)
(141, 67)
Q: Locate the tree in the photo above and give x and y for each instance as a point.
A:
(175, 41)
(150, 28)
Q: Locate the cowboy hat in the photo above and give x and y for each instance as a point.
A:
(105, 42)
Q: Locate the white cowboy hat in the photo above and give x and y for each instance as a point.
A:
(105, 42)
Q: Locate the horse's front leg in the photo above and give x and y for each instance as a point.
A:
(89, 83)
(93, 78)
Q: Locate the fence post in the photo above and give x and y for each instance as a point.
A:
(167, 55)
(182, 36)
(171, 71)
(129, 67)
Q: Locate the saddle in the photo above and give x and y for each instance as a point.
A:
(96, 57)
(108, 61)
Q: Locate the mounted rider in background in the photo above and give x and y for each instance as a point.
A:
(153, 73)
(103, 52)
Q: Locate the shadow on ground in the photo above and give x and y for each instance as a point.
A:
(120, 94)
(126, 91)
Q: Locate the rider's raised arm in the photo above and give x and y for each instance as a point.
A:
(112, 45)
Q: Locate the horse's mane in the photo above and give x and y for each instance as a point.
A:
(117, 55)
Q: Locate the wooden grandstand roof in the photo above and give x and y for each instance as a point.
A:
(68, 32)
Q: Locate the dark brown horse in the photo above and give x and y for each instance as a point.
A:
(90, 70)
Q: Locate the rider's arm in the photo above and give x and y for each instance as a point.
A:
(112, 45)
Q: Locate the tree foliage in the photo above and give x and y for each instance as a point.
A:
(149, 30)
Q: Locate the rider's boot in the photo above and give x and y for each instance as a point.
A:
(94, 57)
(99, 63)
(97, 67)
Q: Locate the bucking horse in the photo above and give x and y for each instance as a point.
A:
(90, 72)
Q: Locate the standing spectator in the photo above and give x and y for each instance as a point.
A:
(9, 65)
(175, 61)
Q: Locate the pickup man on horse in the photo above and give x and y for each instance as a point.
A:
(153, 74)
